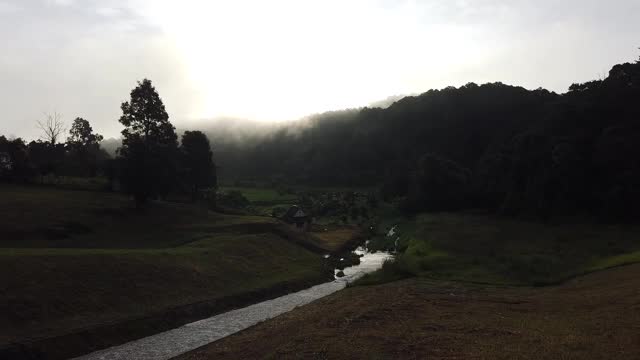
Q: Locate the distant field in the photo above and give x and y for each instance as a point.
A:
(488, 249)
(77, 259)
(73, 182)
(263, 196)
(49, 217)
(335, 238)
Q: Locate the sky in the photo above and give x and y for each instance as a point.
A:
(280, 60)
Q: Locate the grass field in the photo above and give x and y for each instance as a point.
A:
(486, 249)
(474, 293)
(591, 317)
(263, 196)
(77, 259)
(337, 238)
(49, 217)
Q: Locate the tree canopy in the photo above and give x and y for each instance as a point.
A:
(149, 146)
(524, 151)
(197, 161)
(81, 134)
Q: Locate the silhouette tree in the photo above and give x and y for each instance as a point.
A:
(46, 159)
(149, 146)
(52, 127)
(83, 145)
(197, 162)
(14, 160)
(81, 134)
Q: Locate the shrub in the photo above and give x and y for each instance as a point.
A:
(232, 199)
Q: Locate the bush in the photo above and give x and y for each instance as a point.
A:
(278, 211)
(232, 199)
(392, 270)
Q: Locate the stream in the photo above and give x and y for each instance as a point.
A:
(191, 336)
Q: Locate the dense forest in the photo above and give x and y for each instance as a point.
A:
(490, 146)
(493, 146)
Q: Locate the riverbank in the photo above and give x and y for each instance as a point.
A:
(85, 270)
(86, 340)
(175, 342)
(590, 317)
(489, 249)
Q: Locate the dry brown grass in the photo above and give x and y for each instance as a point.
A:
(337, 238)
(592, 317)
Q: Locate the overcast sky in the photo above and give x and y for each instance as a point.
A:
(280, 60)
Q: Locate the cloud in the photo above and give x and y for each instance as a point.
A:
(283, 59)
(61, 2)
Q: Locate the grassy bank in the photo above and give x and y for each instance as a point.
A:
(487, 249)
(327, 234)
(263, 196)
(50, 217)
(74, 259)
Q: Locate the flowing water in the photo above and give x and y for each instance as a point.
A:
(188, 337)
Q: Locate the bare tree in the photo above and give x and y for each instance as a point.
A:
(52, 127)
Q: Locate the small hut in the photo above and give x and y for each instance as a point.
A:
(296, 216)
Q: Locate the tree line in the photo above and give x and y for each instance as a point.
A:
(493, 146)
(149, 164)
(496, 147)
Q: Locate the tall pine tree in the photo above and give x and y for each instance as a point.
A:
(199, 171)
(148, 155)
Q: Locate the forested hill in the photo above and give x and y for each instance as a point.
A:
(360, 147)
(492, 146)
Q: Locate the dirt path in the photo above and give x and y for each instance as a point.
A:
(592, 317)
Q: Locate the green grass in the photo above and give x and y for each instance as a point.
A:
(49, 217)
(74, 183)
(486, 249)
(76, 259)
(263, 196)
(615, 260)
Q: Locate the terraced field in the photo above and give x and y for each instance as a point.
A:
(77, 260)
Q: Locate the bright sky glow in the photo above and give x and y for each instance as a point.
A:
(283, 59)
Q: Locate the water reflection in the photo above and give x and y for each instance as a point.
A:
(369, 262)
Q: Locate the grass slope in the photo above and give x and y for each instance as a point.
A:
(263, 196)
(76, 259)
(486, 249)
(48, 217)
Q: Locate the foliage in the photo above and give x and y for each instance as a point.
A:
(232, 199)
(507, 149)
(488, 249)
(197, 165)
(15, 163)
(81, 134)
(45, 157)
(84, 155)
(438, 184)
(81, 155)
(149, 147)
(392, 270)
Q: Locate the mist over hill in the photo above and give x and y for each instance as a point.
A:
(490, 146)
(493, 146)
